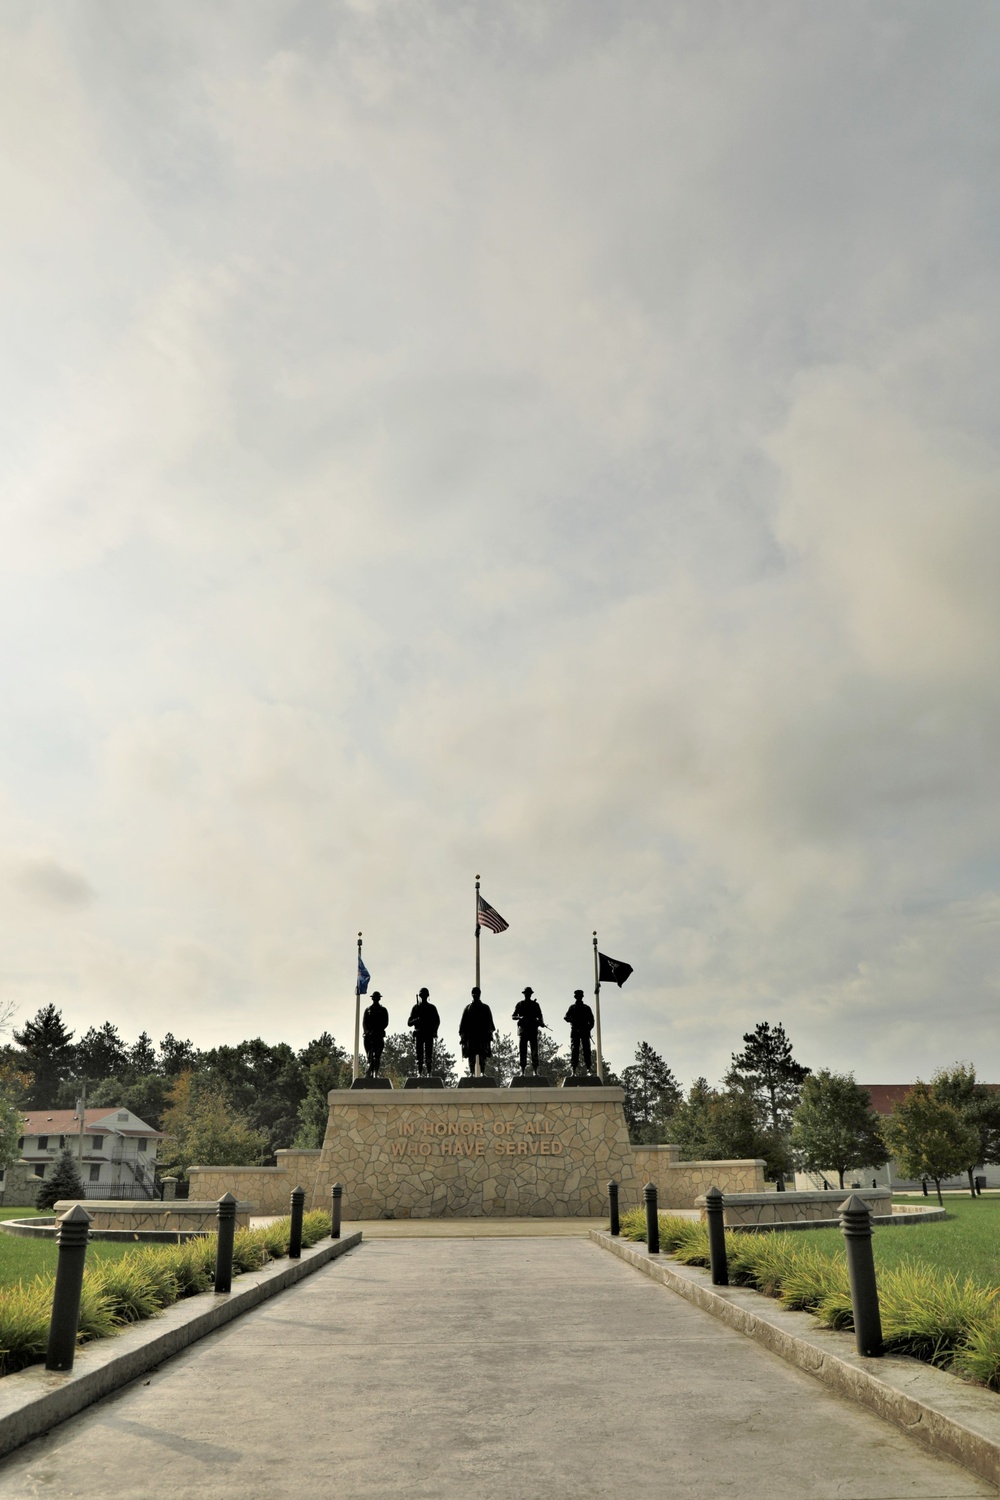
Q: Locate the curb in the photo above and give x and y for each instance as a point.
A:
(960, 1421)
(34, 1400)
(881, 1221)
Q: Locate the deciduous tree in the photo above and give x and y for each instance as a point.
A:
(834, 1126)
(929, 1137)
(204, 1129)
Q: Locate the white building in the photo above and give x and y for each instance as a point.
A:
(115, 1150)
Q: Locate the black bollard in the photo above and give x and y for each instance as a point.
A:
(295, 1232)
(72, 1234)
(652, 1219)
(613, 1205)
(225, 1214)
(338, 1197)
(717, 1258)
(856, 1226)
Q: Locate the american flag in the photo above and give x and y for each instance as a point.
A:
(490, 918)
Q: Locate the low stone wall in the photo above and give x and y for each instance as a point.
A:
(678, 1183)
(787, 1208)
(266, 1189)
(185, 1214)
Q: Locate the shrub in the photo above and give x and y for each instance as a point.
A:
(65, 1182)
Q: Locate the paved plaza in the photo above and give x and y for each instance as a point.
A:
(489, 1367)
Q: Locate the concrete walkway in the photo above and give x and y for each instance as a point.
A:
(484, 1369)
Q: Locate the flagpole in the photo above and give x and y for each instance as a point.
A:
(357, 1015)
(597, 1011)
(477, 932)
(478, 1070)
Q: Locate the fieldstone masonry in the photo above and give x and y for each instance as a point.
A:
(522, 1153)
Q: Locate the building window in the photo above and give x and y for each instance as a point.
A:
(123, 1114)
(95, 1174)
(43, 1145)
(142, 1143)
(40, 1170)
(97, 1142)
(62, 1142)
(20, 1143)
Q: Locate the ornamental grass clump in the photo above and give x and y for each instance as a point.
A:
(978, 1356)
(928, 1313)
(931, 1314)
(137, 1286)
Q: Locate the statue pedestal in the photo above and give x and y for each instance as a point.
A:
(529, 1081)
(421, 1081)
(588, 1081)
(476, 1152)
(477, 1083)
(372, 1083)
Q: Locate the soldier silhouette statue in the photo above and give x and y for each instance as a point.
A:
(528, 1015)
(374, 1025)
(476, 1033)
(581, 1024)
(426, 1022)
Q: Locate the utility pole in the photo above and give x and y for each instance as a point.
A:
(81, 1109)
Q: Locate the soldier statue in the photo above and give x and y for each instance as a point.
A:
(476, 1033)
(374, 1025)
(528, 1015)
(581, 1024)
(425, 1021)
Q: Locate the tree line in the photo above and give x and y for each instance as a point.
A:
(771, 1106)
(239, 1104)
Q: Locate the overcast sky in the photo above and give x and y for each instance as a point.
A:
(551, 440)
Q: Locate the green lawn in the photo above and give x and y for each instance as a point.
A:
(966, 1242)
(22, 1259)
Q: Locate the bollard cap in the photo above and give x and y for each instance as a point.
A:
(714, 1193)
(73, 1228)
(612, 1184)
(76, 1215)
(337, 1190)
(856, 1218)
(298, 1192)
(649, 1191)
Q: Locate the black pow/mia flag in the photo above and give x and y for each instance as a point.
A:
(612, 969)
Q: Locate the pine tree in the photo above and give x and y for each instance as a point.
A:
(101, 1053)
(768, 1070)
(48, 1053)
(65, 1181)
(142, 1056)
(652, 1094)
(835, 1127)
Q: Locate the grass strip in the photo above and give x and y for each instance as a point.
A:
(135, 1286)
(931, 1314)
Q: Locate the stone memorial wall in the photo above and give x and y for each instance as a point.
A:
(472, 1153)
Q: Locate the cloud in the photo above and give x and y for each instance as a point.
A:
(51, 884)
(552, 443)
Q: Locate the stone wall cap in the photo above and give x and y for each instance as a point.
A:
(396, 1098)
(152, 1205)
(835, 1196)
(233, 1169)
(291, 1151)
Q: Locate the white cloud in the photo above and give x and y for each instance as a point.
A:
(554, 442)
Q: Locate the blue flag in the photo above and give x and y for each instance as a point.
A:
(363, 976)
